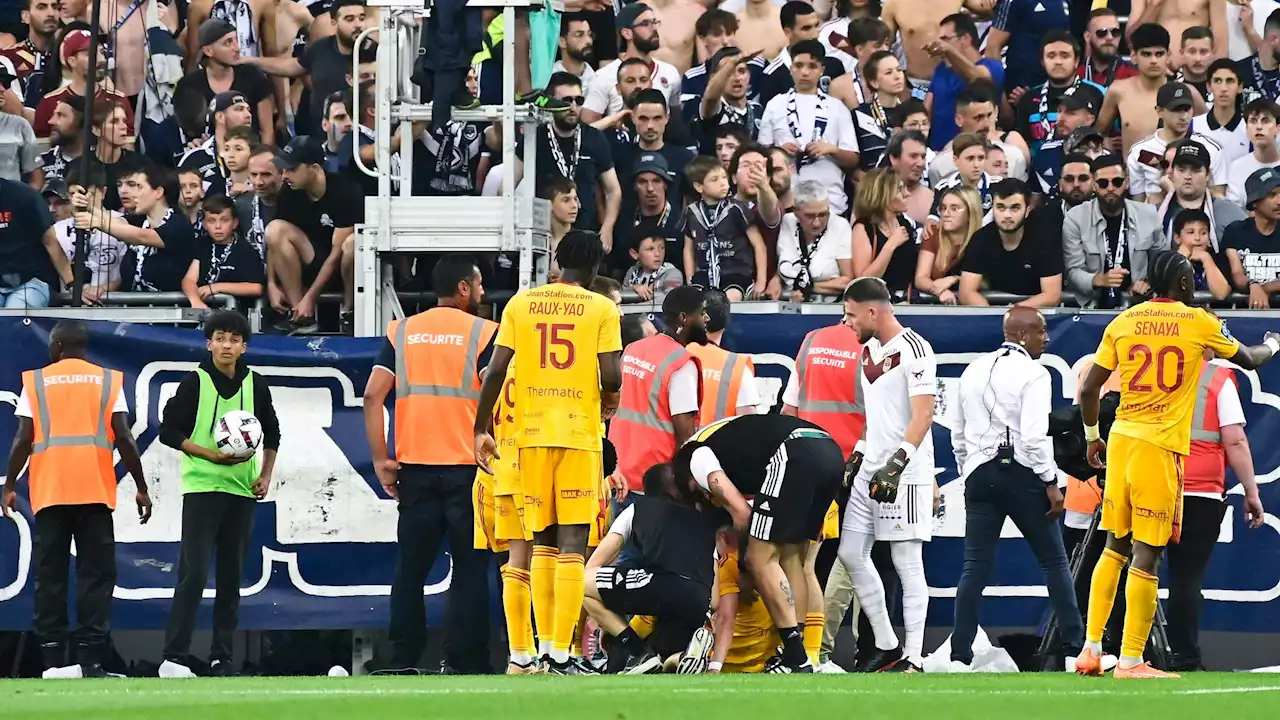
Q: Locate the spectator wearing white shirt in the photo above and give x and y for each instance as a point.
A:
(1174, 104)
(638, 28)
(1005, 458)
(813, 126)
(815, 248)
(577, 50)
(1260, 118)
(1224, 122)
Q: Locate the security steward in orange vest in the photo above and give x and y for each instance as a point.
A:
(661, 389)
(728, 378)
(433, 362)
(1217, 439)
(71, 415)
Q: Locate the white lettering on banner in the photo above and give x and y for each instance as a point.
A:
(434, 339)
(81, 379)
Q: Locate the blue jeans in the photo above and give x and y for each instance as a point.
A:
(18, 295)
(991, 495)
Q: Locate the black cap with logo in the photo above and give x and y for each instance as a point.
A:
(302, 150)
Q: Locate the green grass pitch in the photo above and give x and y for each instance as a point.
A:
(816, 697)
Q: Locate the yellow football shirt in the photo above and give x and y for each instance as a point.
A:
(753, 620)
(504, 433)
(1158, 348)
(556, 332)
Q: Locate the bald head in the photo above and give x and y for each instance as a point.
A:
(1025, 326)
(69, 338)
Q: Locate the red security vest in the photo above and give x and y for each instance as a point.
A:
(828, 374)
(722, 376)
(437, 387)
(1205, 470)
(642, 430)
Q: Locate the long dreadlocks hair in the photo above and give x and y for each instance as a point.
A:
(580, 250)
(1167, 268)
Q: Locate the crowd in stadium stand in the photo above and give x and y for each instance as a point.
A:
(972, 153)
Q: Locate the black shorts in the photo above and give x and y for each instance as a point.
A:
(803, 479)
(629, 589)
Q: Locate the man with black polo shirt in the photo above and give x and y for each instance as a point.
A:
(567, 148)
(1009, 256)
(229, 110)
(30, 257)
(161, 244)
(311, 241)
(649, 114)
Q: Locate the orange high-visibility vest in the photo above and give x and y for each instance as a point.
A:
(642, 430)
(1084, 496)
(722, 376)
(1205, 469)
(71, 454)
(437, 386)
(828, 374)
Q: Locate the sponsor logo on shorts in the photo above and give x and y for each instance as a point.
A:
(1142, 512)
(577, 494)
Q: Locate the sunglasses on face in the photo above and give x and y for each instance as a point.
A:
(1105, 33)
(575, 99)
(1104, 183)
(1076, 179)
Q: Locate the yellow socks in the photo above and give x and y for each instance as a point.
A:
(642, 624)
(1102, 594)
(516, 607)
(542, 574)
(570, 579)
(813, 636)
(1140, 597)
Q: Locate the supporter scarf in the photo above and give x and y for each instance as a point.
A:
(793, 123)
(1117, 257)
(1046, 127)
(711, 222)
(568, 166)
(1267, 81)
(880, 116)
(218, 259)
(257, 228)
(143, 253)
(803, 279)
(662, 219)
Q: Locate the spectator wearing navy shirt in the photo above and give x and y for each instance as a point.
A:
(1036, 108)
(30, 256)
(224, 263)
(957, 47)
(161, 243)
(1016, 32)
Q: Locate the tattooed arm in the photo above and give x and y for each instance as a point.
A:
(725, 495)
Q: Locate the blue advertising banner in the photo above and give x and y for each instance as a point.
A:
(323, 548)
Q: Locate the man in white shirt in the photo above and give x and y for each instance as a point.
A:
(1224, 122)
(893, 494)
(814, 127)
(577, 50)
(1260, 118)
(638, 28)
(1174, 105)
(1005, 458)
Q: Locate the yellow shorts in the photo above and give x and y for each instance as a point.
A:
(560, 486)
(830, 524)
(748, 654)
(604, 518)
(484, 514)
(509, 522)
(1143, 491)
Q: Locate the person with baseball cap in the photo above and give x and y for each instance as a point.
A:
(648, 203)
(227, 111)
(1038, 109)
(311, 241)
(1253, 246)
(638, 29)
(1175, 104)
(1077, 110)
(1186, 187)
(219, 53)
(74, 53)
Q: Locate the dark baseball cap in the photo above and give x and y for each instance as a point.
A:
(1260, 184)
(1081, 97)
(224, 101)
(1174, 96)
(652, 163)
(213, 30)
(1080, 136)
(56, 187)
(1191, 153)
(628, 15)
(302, 150)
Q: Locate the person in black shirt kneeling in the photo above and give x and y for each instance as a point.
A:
(225, 262)
(1009, 256)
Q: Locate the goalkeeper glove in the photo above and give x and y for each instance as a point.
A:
(854, 463)
(884, 483)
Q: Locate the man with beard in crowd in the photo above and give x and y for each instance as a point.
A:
(36, 51)
(1077, 108)
(66, 135)
(75, 63)
(577, 50)
(257, 209)
(638, 27)
(1102, 64)
(1074, 186)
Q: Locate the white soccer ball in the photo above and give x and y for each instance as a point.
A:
(238, 433)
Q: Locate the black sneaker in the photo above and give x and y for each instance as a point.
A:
(397, 671)
(880, 660)
(564, 668)
(347, 322)
(220, 668)
(646, 664)
(776, 666)
(585, 666)
(903, 666)
(94, 670)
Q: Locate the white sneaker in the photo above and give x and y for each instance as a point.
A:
(1109, 663)
(829, 668)
(171, 669)
(694, 660)
(63, 673)
(957, 666)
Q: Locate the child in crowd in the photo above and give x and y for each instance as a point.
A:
(1191, 232)
(235, 153)
(652, 277)
(225, 263)
(723, 248)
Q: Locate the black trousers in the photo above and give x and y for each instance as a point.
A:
(990, 495)
(1188, 558)
(211, 521)
(92, 529)
(435, 503)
